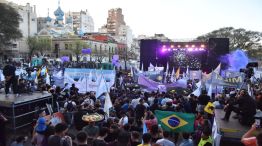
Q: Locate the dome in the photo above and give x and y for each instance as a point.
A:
(59, 12)
(48, 19)
(59, 18)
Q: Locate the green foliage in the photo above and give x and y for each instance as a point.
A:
(239, 39)
(38, 44)
(9, 25)
(78, 45)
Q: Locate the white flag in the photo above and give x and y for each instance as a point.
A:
(108, 104)
(209, 93)
(217, 70)
(102, 88)
(131, 72)
(47, 79)
(172, 75)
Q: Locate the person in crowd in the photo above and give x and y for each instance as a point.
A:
(187, 141)
(81, 138)
(49, 131)
(150, 120)
(248, 139)
(20, 141)
(73, 90)
(165, 140)
(123, 120)
(246, 108)
(155, 106)
(206, 138)
(135, 138)
(140, 111)
(100, 140)
(10, 78)
(146, 139)
(156, 133)
(70, 107)
(60, 137)
(193, 103)
(203, 99)
(40, 129)
(91, 130)
(113, 133)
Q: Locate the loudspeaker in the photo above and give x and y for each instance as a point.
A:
(148, 52)
(218, 47)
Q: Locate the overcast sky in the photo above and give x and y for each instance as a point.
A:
(177, 19)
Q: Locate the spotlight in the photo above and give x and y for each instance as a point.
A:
(186, 46)
(169, 49)
(172, 46)
(190, 49)
(163, 50)
(178, 46)
(202, 46)
(193, 46)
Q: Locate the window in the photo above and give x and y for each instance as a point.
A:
(66, 46)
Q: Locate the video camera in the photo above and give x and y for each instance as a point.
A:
(249, 71)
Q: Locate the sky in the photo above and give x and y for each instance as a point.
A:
(177, 19)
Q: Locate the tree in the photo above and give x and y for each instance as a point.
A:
(43, 44)
(238, 38)
(32, 45)
(38, 44)
(9, 25)
(77, 48)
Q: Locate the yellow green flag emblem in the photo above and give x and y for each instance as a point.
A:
(176, 121)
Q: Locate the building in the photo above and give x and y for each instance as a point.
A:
(82, 22)
(117, 27)
(114, 20)
(41, 23)
(28, 27)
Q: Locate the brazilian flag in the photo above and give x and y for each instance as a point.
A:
(175, 121)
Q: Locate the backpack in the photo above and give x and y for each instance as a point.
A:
(70, 106)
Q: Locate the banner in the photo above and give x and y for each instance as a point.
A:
(81, 78)
(217, 80)
(152, 85)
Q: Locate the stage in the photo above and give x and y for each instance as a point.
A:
(230, 131)
(20, 111)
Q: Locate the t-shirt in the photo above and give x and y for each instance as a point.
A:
(38, 139)
(165, 142)
(140, 109)
(91, 131)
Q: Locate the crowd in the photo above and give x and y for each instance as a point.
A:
(133, 111)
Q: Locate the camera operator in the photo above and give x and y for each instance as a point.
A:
(10, 78)
(246, 108)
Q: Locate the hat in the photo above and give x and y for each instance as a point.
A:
(232, 92)
(41, 126)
